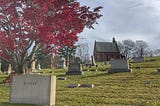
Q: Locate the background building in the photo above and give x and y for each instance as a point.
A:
(104, 51)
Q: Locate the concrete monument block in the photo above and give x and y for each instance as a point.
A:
(119, 65)
(33, 89)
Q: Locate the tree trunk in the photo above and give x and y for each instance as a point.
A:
(20, 69)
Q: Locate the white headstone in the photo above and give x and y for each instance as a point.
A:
(33, 66)
(39, 67)
(9, 68)
(33, 89)
(119, 65)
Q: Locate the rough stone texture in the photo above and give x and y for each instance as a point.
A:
(119, 65)
(33, 89)
(74, 69)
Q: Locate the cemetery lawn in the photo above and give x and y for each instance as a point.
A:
(139, 88)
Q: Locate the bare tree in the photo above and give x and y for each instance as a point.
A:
(157, 52)
(83, 51)
(140, 48)
(148, 52)
(126, 48)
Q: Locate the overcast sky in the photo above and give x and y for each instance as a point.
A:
(125, 19)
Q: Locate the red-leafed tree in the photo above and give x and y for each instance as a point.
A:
(27, 26)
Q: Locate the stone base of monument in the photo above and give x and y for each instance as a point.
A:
(110, 71)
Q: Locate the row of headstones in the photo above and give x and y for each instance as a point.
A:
(75, 68)
(117, 65)
(62, 62)
(33, 67)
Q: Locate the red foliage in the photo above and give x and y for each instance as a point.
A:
(47, 22)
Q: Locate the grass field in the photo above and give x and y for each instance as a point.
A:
(139, 88)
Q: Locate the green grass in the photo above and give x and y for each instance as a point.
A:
(139, 88)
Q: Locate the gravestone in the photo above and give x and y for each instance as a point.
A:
(38, 67)
(9, 69)
(119, 65)
(138, 59)
(75, 67)
(33, 89)
(88, 63)
(61, 64)
(93, 61)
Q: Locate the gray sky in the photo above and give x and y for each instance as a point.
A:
(125, 19)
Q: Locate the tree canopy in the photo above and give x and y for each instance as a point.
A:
(28, 25)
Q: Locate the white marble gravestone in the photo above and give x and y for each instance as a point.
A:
(119, 65)
(33, 89)
(9, 69)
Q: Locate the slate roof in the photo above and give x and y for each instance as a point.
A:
(106, 47)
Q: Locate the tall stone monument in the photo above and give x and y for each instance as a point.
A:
(93, 61)
(33, 89)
